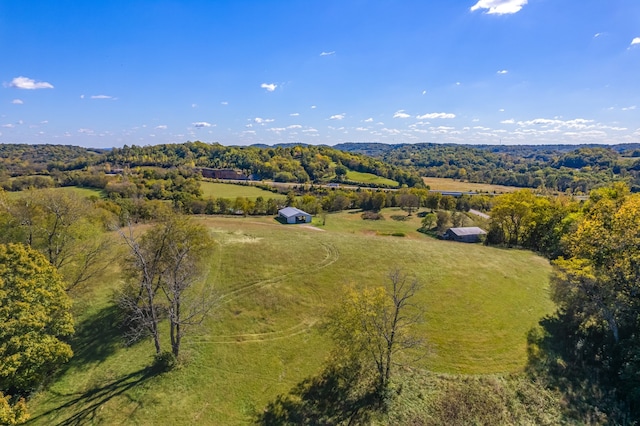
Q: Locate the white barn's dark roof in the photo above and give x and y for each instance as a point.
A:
(291, 212)
(468, 230)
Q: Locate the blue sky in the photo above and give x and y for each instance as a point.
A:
(238, 72)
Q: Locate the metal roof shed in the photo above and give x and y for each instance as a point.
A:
(468, 234)
(294, 215)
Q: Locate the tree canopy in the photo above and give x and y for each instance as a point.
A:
(35, 318)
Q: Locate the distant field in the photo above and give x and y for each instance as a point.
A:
(83, 192)
(277, 282)
(446, 184)
(369, 178)
(229, 190)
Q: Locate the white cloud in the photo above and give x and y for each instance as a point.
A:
(635, 41)
(269, 87)
(510, 121)
(499, 7)
(503, 72)
(224, 103)
(337, 117)
(361, 129)
(8, 126)
(162, 127)
(424, 92)
(102, 97)
(310, 130)
(200, 124)
(276, 129)
(630, 108)
(369, 120)
(260, 120)
(17, 101)
(313, 107)
(401, 114)
(432, 115)
(194, 105)
(29, 84)
(328, 53)
(294, 126)
(295, 114)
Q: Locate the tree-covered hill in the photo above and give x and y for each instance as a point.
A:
(556, 167)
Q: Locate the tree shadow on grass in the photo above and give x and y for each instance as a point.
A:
(85, 405)
(339, 395)
(97, 337)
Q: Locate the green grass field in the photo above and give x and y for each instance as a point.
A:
(445, 184)
(369, 178)
(228, 190)
(83, 192)
(277, 282)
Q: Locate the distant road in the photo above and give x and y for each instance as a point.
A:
(477, 213)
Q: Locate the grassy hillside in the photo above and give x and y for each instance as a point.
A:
(226, 190)
(277, 281)
(369, 178)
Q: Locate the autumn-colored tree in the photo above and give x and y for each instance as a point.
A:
(373, 326)
(13, 413)
(34, 318)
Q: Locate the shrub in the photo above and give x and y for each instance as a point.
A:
(369, 215)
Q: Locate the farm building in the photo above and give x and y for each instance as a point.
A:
(294, 215)
(469, 234)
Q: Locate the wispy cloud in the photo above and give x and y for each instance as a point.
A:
(499, 7)
(294, 126)
(502, 72)
(103, 97)
(8, 126)
(635, 41)
(29, 84)
(162, 127)
(510, 121)
(17, 101)
(432, 115)
(369, 120)
(295, 114)
(333, 52)
(224, 103)
(269, 87)
(401, 114)
(199, 124)
(629, 108)
(261, 120)
(337, 117)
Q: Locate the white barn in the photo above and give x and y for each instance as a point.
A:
(294, 215)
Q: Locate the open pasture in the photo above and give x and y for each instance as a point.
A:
(447, 184)
(82, 192)
(276, 282)
(369, 178)
(232, 191)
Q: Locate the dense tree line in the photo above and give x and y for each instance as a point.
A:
(590, 348)
(556, 167)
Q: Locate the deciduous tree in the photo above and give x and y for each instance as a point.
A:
(373, 326)
(34, 318)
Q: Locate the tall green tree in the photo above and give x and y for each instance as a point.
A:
(35, 318)
(162, 269)
(373, 326)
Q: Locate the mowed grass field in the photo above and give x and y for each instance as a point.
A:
(83, 192)
(231, 191)
(276, 283)
(369, 178)
(446, 184)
